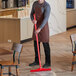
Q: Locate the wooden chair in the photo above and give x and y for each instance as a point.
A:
(17, 48)
(73, 39)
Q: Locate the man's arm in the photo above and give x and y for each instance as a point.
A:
(46, 16)
(32, 13)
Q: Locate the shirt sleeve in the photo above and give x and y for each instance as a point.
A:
(46, 16)
(32, 13)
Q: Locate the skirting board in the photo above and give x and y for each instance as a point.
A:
(26, 40)
(71, 27)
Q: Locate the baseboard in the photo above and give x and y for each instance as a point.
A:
(71, 27)
(30, 39)
(26, 40)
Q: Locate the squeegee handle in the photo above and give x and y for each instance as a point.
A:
(37, 42)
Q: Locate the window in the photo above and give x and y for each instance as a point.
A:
(70, 4)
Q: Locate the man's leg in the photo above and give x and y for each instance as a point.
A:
(47, 55)
(36, 62)
(36, 51)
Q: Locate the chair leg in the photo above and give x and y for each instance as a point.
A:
(9, 70)
(73, 59)
(1, 74)
(17, 70)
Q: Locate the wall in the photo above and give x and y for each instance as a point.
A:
(26, 28)
(57, 19)
(75, 4)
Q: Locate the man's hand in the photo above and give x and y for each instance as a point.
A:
(37, 31)
(34, 21)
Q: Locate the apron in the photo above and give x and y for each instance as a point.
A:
(43, 35)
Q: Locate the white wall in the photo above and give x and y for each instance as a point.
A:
(57, 19)
(75, 4)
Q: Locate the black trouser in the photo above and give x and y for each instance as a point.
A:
(46, 50)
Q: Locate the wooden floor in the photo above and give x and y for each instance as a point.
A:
(61, 55)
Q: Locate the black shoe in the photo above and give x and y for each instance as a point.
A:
(34, 63)
(46, 65)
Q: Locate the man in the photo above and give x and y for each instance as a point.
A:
(42, 11)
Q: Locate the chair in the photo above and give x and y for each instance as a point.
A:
(17, 48)
(73, 39)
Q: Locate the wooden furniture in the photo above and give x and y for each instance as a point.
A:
(15, 12)
(73, 38)
(4, 51)
(9, 30)
(15, 29)
(19, 27)
(9, 12)
(15, 63)
(23, 12)
(71, 17)
(0, 3)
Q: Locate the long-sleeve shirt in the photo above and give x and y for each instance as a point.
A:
(45, 8)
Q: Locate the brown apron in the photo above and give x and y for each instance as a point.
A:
(43, 35)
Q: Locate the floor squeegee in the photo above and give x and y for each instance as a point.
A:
(40, 67)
